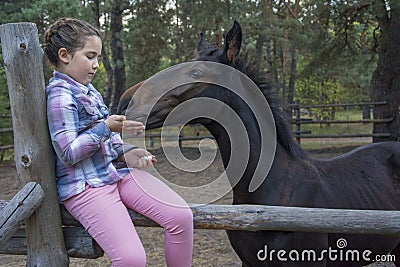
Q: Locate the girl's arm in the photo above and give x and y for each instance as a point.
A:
(120, 147)
(70, 145)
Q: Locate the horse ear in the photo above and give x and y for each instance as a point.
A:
(201, 43)
(233, 41)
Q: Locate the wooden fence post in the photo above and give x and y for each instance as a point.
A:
(34, 159)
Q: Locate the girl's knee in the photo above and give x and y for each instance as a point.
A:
(187, 216)
(183, 220)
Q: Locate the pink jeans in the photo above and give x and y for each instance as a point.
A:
(103, 213)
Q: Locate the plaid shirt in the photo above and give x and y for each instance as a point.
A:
(87, 151)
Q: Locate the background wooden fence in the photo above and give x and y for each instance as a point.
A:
(6, 120)
(297, 121)
(364, 107)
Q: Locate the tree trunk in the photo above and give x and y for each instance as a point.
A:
(106, 61)
(180, 33)
(259, 51)
(292, 78)
(108, 85)
(385, 84)
(292, 13)
(117, 54)
(34, 158)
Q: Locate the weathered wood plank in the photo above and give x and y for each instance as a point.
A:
(21, 206)
(34, 158)
(257, 217)
(16, 245)
(78, 242)
(279, 218)
(238, 217)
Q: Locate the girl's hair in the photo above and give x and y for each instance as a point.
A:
(68, 33)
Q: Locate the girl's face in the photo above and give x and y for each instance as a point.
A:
(82, 64)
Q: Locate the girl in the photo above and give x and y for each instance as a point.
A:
(93, 180)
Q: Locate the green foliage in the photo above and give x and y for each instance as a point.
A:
(5, 122)
(340, 50)
(334, 41)
(146, 39)
(42, 13)
(5, 106)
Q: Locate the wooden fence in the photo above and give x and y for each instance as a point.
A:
(7, 130)
(50, 234)
(366, 119)
(297, 121)
(79, 244)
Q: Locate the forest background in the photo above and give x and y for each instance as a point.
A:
(314, 51)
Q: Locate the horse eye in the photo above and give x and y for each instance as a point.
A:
(196, 74)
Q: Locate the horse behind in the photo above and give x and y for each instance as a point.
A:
(365, 178)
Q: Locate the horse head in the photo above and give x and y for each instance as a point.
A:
(152, 100)
(215, 90)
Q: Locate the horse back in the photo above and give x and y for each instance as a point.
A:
(365, 178)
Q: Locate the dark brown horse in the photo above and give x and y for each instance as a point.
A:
(366, 178)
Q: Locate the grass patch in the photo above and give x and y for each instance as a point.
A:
(6, 155)
(316, 144)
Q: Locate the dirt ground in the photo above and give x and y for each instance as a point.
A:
(211, 247)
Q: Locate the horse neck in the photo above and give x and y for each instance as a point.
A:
(284, 135)
(287, 150)
(241, 188)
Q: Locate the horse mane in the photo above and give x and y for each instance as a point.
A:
(285, 136)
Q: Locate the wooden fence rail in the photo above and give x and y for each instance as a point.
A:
(298, 121)
(280, 218)
(6, 130)
(21, 206)
(6, 147)
(238, 217)
(360, 104)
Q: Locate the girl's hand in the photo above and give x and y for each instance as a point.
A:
(115, 122)
(118, 123)
(139, 158)
(132, 127)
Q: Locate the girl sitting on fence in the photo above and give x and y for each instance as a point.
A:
(93, 179)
